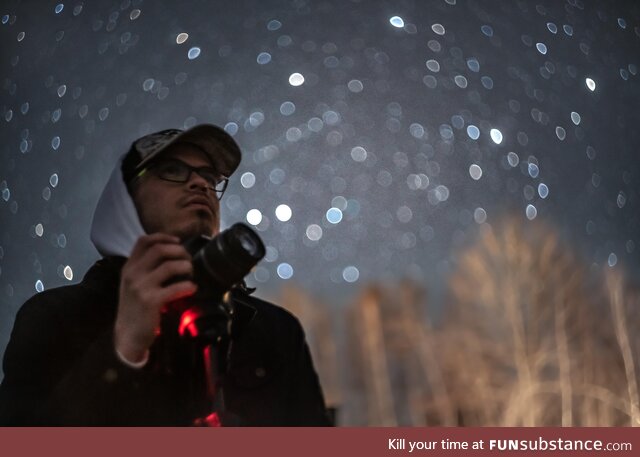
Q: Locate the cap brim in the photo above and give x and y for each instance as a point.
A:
(219, 146)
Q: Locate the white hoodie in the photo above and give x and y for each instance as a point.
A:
(116, 226)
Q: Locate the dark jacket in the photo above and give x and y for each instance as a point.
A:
(60, 367)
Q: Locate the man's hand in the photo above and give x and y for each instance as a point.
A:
(145, 288)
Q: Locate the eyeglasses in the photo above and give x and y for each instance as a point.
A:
(175, 170)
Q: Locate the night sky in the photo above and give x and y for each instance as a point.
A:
(377, 136)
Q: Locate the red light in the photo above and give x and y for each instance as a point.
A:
(212, 420)
(187, 321)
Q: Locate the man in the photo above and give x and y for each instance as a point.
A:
(88, 354)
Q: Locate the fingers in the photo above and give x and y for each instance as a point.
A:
(168, 270)
(159, 262)
(155, 299)
(153, 276)
(150, 251)
(146, 241)
(155, 289)
(176, 291)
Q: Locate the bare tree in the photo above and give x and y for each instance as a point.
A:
(529, 339)
(617, 296)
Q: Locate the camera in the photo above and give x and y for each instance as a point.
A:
(219, 264)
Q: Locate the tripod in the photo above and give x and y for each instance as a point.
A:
(195, 350)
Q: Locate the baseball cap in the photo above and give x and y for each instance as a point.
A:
(220, 147)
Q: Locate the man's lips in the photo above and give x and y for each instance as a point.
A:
(199, 202)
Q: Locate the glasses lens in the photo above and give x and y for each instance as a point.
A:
(210, 175)
(172, 170)
(221, 185)
(178, 171)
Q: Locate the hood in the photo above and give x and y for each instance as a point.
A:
(116, 226)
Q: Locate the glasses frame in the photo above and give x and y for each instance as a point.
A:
(224, 180)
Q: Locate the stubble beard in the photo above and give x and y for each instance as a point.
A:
(202, 225)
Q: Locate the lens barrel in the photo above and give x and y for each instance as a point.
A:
(229, 257)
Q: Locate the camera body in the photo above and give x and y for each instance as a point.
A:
(219, 264)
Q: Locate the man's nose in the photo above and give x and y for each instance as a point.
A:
(197, 181)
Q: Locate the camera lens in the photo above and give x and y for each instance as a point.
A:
(248, 241)
(230, 256)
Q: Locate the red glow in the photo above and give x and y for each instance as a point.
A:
(187, 321)
(212, 420)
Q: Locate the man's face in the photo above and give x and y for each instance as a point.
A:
(181, 209)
